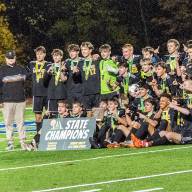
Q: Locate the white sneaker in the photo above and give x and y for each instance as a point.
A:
(10, 147)
(23, 146)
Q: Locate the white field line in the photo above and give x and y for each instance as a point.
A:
(90, 159)
(92, 190)
(14, 150)
(148, 190)
(116, 181)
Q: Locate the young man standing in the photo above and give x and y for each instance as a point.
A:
(74, 82)
(90, 74)
(37, 69)
(55, 79)
(131, 59)
(172, 60)
(12, 77)
(108, 73)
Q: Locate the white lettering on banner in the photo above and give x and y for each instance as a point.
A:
(66, 134)
(77, 124)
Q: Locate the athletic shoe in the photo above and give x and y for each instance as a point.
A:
(127, 144)
(93, 143)
(10, 147)
(113, 145)
(23, 146)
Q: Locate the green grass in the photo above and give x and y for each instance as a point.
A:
(74, 173)
(136, 163)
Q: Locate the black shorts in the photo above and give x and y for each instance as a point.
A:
(39, 102)
(53, 105)
(90, 101)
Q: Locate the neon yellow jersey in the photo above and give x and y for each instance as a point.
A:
(107, 76)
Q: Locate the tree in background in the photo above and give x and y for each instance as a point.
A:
(7, 40)
(174, 20)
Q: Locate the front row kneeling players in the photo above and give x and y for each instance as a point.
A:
(63, 112)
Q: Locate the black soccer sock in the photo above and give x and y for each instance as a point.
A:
(38, 126)
(141, 133)
(153, 137)
(160, 141)
(118, 136)
(37, 138)
(133, 130)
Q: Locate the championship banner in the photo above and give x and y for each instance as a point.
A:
(66, 133)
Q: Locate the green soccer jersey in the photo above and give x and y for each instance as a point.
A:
(108, 69)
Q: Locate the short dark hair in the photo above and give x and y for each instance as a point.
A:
(123, 64)
(175, 41)
(168, 96)
(144, 85)
(148, 49)
(87, 44)
(145, 61)
(57, 52)
(63, 102)
(161, 64)
(73, 47)
(77, 103)
(40, 48)
(114, 100)
(104, 46)
(150, 100)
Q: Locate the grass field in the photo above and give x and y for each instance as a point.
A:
(164, 168)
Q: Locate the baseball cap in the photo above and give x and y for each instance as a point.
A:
(10, 54)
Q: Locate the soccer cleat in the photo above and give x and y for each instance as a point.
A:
(113, 145)
(10, 147)
(34, 145)
(139, 143)
(93, 143)
(23, 146)
(127, 144)
(136, 141)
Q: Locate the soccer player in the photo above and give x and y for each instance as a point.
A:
(172, 60)
(164, 82)
(74, 82)
(63, 112)
(149, 53)
(108, 73)
(110, 131)
(77, 110)
(90, 74)
(37, 69)
(131, 59)
(55, 79)
(124, 80)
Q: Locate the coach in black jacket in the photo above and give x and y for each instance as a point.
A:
(12, 77)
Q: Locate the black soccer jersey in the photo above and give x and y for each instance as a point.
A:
(74, 82)
(90, 75)
(56, 87)
(37, 71)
